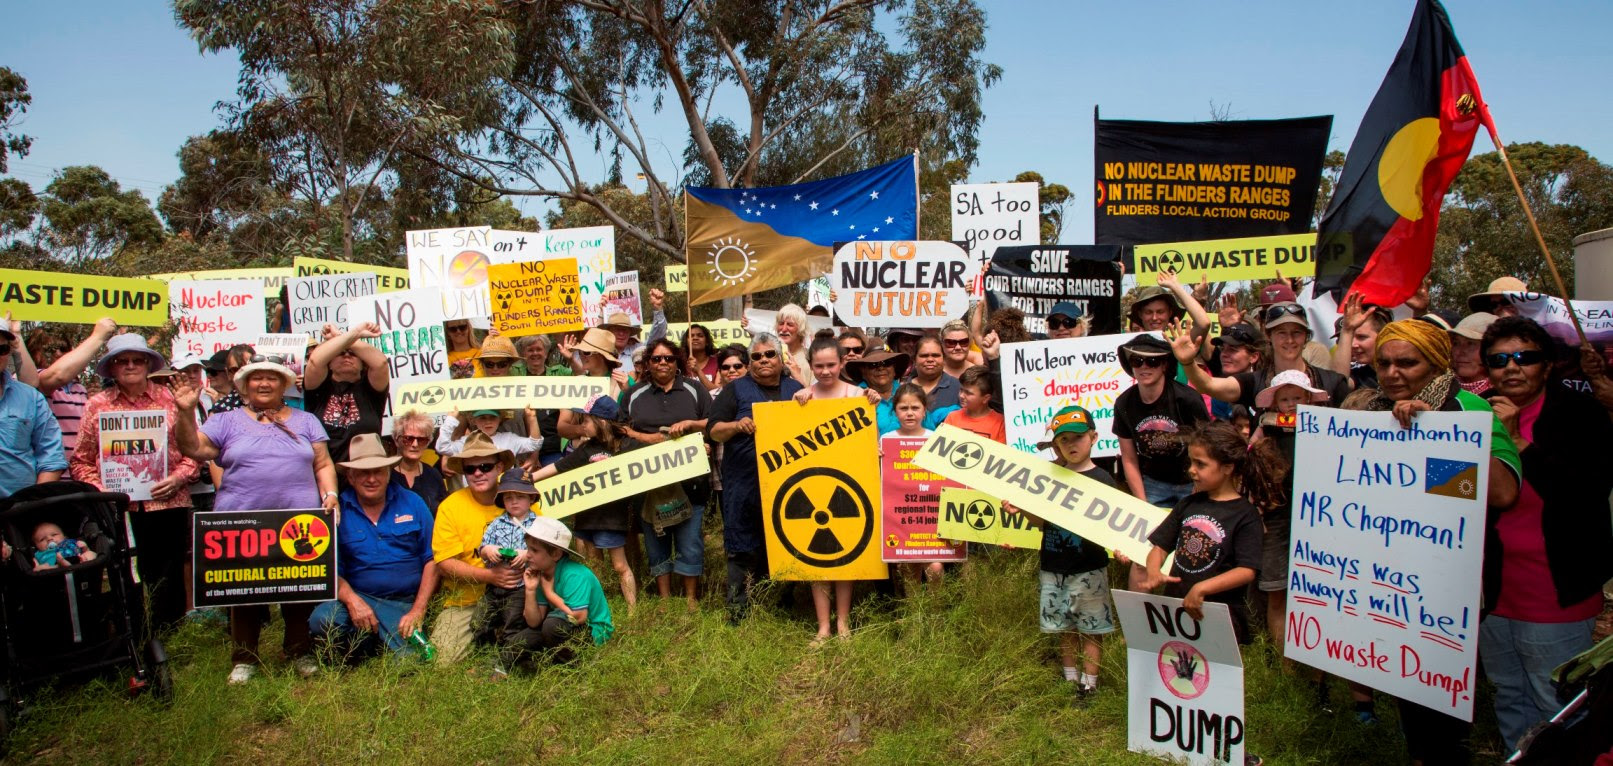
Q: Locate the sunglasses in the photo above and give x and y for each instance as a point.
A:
(851, 349)
(497, 364)
(964, 342)
(1148, 361)
(757, 356)
(412, 439)
(1527, 358)
(1280, 310)
(348, 352)
(133, 361)
(663, 359)
(885, 365)
(271, 358)
(458, 328)
(1058, 322)
(581, 354)
(471, 469)
(732, 367)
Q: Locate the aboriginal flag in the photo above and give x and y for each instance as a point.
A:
(1377, 236)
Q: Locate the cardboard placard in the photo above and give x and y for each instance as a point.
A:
(980, 518)
(1184, 680)
(677, 278)
(215, 315)
(622, 294)
(387, 279)
(412, 336)
(902, 284)
(134, 451)
(323, 298)
(1228, 260)
(452, 262)
(911, 507)
(988, 216)
(1041, 377)
(535, 297)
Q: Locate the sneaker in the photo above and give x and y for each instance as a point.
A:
(242, 672)
(1084, 694)
(306, 667)
(1366, 718)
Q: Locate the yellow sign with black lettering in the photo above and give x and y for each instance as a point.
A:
(535, 297)
(1088, 508)
(387, 279)
(677, 278)
(273, 278)
(468, 395)
(622, 476)
(818, 466)
(57, 296)
(979, 518)
(1228, 260)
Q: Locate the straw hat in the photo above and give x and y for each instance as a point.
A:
(261, 363)
(599, 341)
(478, 445)
(366, 451)
(497, 347)
(1498, 289)
(1473, 325)
(619, 320)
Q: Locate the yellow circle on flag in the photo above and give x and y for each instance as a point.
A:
(304, 537)
(1400, 169)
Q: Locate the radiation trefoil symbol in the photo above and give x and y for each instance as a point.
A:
(823, 518)
(432, 395)
(966, 455)
(980, 515)
(1172, 261)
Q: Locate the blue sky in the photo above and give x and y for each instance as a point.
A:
(117, 84)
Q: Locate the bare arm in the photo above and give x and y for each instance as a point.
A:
(1201, 320)
(1128, 461)
(26, 371)
(1185, 347)
(318, 366)
(191, 441)
(71, 364)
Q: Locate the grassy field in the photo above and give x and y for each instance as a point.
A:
(961, 675)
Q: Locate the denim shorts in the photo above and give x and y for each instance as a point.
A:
(603, 539)
(689, 558)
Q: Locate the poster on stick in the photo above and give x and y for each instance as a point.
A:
(264, 557)
(322, 299)
(979, 518)
(134, 451)
(1184, 680)
(1041, 377)
(1386, 550)
(594, 249)
(622, 295)
(1228, 260)
(1596, 317)
(1035, 278)
(677, 278)
(986, 217)
(412, 337)
(535, 297)
(912, 503)
(901, 284)
(453, 263)
(57, 296)
(215, 315)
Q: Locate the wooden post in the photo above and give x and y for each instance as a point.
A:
(1551, 263)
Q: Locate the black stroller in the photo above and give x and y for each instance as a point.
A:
(79, 619)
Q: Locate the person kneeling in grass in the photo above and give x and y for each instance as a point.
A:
(563, 598)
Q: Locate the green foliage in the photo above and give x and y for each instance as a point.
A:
(89, 216)
(18, 206)
(14, 101)
(1055, 200)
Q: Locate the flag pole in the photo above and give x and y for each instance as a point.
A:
(1534, 226)
(918, 199)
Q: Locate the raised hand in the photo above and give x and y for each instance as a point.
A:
(1183, 345)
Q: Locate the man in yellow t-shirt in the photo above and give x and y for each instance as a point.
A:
(461, 519)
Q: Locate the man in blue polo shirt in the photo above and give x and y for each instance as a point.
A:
(31, 441)
(384, 558)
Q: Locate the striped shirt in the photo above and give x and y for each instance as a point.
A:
(67, 403)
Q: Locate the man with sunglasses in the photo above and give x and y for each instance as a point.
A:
(456, 537)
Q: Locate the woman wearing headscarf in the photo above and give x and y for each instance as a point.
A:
(273, 457)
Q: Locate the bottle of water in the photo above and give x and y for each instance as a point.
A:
(423, 645)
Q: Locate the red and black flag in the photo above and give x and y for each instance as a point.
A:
(1377, 236)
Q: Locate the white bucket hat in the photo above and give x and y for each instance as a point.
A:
(551, 531)
(1289, 378)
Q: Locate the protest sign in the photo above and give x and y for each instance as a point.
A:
(723, 332)
(594, 248)
(988, 216)
(622, 294)
(387, 279)
(1085, 507)
(759, 321)
(980, 518)
(134, 451)
(677, 278)
(509, 393)
(412, 337)
(264, 557)
(1184, 680)
(1041, 377)
(901, 284)
(817, 291)
(56, 296)
(291, 348)
(535, 297)
(1228, 260)
(322, 299)
(454, 263)
(816, 464)
(1187, 181)
(912, 503)
(1596, 317)
(1386, 550)
(1035, 278)
(272, 278)
(215, 315)
(623, 476)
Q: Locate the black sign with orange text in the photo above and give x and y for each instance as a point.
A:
(264, 557)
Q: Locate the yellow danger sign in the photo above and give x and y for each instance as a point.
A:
(623, 476)
(1228, 260)
(539, 393)
(979, 518)
(818, 466)
(387, 279)
(56, 296)
(1090, 509)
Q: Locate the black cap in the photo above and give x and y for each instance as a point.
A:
(218, 362)
(1238, 334)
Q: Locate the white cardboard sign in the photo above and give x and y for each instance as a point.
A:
(901, 283)
(1041, 377)
(452, 262)
(322, 299)
(214, 315)
(986, 216)
(1184, 680)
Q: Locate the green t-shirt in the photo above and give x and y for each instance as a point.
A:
(576, 585)
(1501, 446)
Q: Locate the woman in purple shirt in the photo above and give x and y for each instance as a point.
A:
(273, 457)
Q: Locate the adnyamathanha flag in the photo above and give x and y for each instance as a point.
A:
(741, 241)
(1377, 236)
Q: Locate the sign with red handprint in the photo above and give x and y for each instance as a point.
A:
(264, 557)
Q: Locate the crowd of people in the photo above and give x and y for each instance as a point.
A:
(443, 547)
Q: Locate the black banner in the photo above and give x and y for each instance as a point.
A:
(1189, 181)
(1032, 278)
(263, 557)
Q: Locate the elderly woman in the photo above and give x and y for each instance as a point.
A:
(1547, 556)
(596, 357)
(345, 383)
(878, 372)
(731, 425)
(161, 525)
(1466, 360)
(273, 457)
(411, 432)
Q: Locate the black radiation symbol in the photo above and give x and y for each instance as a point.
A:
(812, 500)
(1171, 260)
(966, 455)
(432, 395)
(980, 515)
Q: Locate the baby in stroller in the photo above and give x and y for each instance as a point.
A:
(52, 548)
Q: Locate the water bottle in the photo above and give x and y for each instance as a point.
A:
(506, 553)
(427, 651)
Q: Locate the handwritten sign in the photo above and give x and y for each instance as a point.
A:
(912, 504)
(620, 477)
(215, 315)
(988, 216)
(592, 247)
(412, 337)
(1184, 680)
(1387, 546)
(509, 393)
(1228, 260)
(387, 279)
(902, 284)
(980, 518)
(622, 294)
(56, 296)
(454, 262)
(322, 299)
(134, 451)
(1041, 377)
(535, 297)
(677, 278)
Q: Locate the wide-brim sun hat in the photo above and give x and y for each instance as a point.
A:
(856, 367)
(497, 347)
(366, 452)
(599, 341)
(1497, 290)
(619, 320)
(1289, 378)
(1473, 325)
(246, 371)
(1146, 346)
(127, 343)
(551, 531)
(1154, 293)
(477, 445)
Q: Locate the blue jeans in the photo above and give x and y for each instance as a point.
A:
(1518, 657)
(330, 621)
(686, 538)
(1165, 494)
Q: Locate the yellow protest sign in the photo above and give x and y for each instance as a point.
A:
(1228, 260)
(539, 393)
(1090, 509)
(817, 464)
(677, 278)
(979, 518)
(623, 476)
(723, 332)
(387, 279)
(535, 297)
(273, 278)
(56, 296)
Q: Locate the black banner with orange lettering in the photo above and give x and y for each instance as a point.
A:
(1187, 181)
(264, 557)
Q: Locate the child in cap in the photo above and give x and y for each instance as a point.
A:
(505, 538)
(491, 423)
(571, 600)
(607, 526)
(1074, 572)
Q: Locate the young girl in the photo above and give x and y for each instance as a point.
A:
(910, 405)
(604, 528)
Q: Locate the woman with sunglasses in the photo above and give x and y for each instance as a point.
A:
(345, 383)
(596, 357)
(956, 348)
(1152, 419)
(462, 343)
(698, 352)
(1546, 557)
(272, 456)
(853, 344)
(411, 432)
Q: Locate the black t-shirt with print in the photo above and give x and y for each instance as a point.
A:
(1210, 538)
(1066, 553)
(346, 410)
(1158, 430)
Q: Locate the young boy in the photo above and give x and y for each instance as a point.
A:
(54, 549)
(974, 411)
(572, 600)
(1074, 573)
(507, 533)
